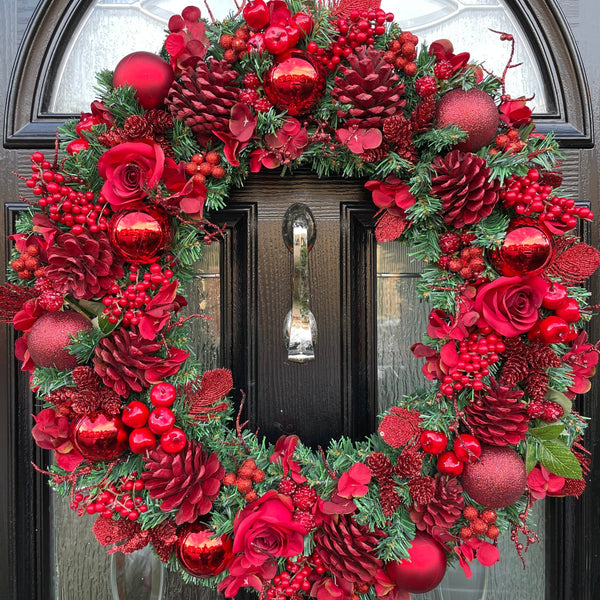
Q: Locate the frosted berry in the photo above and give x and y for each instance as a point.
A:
(304, 497)
(251, 81)
(287, 486)
(551, 411)
(425, 86)
(306, 519)
(262, 105)
(51, 301)
(535, 409)
(443, 70)
(449, 242)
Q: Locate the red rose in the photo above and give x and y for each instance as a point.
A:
(266, 528)
(510, 304)
(130, 170)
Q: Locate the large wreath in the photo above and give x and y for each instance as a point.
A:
(150, 444)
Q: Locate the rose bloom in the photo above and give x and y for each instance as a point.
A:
(130, 170)
(510, 305)
(266, 528)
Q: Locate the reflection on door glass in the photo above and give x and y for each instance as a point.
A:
(137, 576)
(112, 29)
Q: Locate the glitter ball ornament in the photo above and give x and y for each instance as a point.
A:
(200, 554)
(473, 111)
(497, 479)
(140, 234)
(50, 334)
(425, 568)
(149, 74)
(99, 438)
(295, 83)
(527, 248)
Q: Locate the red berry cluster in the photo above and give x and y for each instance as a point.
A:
(475, 355)
(546, 410)
(148, 424)
(480, 524)
(458, 256)
(509, 142)
(295, 579)
(359, 29)
(402, 53)
(527, 196)
(27, 265)
(303, 498)
(246, 475)
(235, 46)
(250, 95)
(205, 165)
(121, 499)
(49, 299)
(61, 202)
(128, 304)
(465, 448)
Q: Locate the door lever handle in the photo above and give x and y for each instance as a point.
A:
(300, 326)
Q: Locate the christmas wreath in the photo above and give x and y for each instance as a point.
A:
(150, 444)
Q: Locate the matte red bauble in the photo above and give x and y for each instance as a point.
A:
(50, 334)
(527, 248)
(296, 83)
(497, 479)
(101, 438)
(425, 568)
(149, 74)
(140, 234)
(473, 111)
(201, 555)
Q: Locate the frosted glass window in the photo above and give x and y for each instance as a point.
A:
(111, 29)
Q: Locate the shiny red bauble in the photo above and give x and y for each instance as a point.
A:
(163, 394)
(449, 464)
(497, 479)
(295, 83)
(173, 441)
(161, 420)
(135, 414)
(423, 570)
(140, 234)
(466, 447)
(49, 336)
(473, 111)
(99, 438)
(141, 439)
(149, 74)
(527, 249)
(200, 554)
(433, 442)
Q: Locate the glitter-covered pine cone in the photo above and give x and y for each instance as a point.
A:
(463, 184)
(348, 549)
(188, 480)
(82, 265)
(443, 510)
(497, 416)
(204, 98)
(370, 85)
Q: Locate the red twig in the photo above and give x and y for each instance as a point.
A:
(240, 426)
(331, 473)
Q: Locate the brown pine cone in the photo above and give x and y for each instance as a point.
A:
(348, 549)
(83, 265)
(204, 98)
(370, 85)
(444, 509)
(189, 480)
(497, 416)
(464, 186)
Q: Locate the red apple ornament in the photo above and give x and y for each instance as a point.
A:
(201, 554)
(434, 442)
(256, 13)
(161, 420)
(141, 439)
(163, 394)
(450, 464)
(149, 74)
(135, 414)
(173, 441)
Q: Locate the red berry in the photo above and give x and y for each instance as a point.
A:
(141, 439)
(470, 513)
(434, 442)
(553, 330)
(449, 463)
(467, 448)
(492, 532)
(163, 394)
(244, 485)
(173, 441)
(555, 296)
(479, 526)
(258, 476)
(304, 497)
(489, 516)
(569, 310)
(466, 533)
(135, 414)
(160, 420)
(229, 479)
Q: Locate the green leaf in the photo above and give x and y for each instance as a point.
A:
(547, 432)
(530, 458)
(559, 398)
(102, 323)
(559, 459)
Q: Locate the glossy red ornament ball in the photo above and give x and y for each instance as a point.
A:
(200, 554)
(497, 479)
(472, 110)
(527, 249)
(99, 438)
(50, 334)
(140, 234)
(149, 74)
(295, 83)
(425, 568)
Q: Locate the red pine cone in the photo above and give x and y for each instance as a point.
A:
(464, 186)
(388, 497)
(409, 463)
(204, 98)
(82, 265)
(423, 115)
(160, 120)
(444, 509)
(370, 85)
(112, 138)
(379, 466)
(422, 489)
(498, 417)
(137, 127)
(398, 131)
(348, 549)
(189, 480)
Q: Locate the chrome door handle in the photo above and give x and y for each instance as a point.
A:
(300, 326)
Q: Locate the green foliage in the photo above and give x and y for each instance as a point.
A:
(83, 344)
(48, 379)
(436, 141)
(491, 231)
